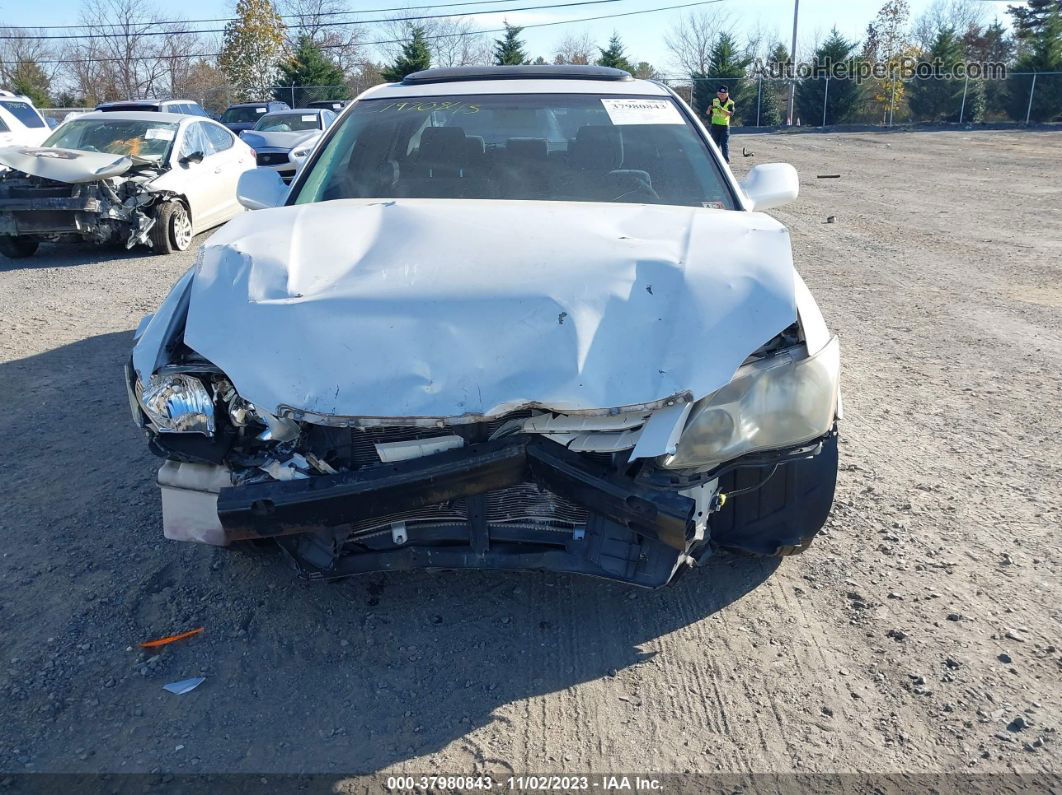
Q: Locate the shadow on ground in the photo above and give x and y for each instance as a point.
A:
(354, 676)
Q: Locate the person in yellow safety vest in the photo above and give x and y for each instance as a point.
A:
(722, 109)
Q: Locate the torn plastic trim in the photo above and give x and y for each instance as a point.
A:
(337, 421)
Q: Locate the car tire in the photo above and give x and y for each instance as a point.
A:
(173, 228)
(18, 246)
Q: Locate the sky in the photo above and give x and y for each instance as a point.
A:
(642, 34)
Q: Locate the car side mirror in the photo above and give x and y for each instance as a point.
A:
(770, 185)
(260, 189)
(194, 157)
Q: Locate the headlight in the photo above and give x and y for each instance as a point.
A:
(178, 403)
(782, 401)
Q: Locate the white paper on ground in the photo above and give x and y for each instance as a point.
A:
(184, 686)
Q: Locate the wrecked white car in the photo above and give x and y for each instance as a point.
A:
(511, 318)
(132, 178)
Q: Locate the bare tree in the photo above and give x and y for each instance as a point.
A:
(124, 61)
(959, 15)
(317, 20)
(575, 49)
(453, 41)
(690, 39)
(23, 63)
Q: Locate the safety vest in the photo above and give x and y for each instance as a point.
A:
(718, 117)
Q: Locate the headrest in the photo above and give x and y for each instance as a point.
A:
(444, 145)
(527, 148)
(596, 148)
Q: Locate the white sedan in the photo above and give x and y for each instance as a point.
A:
(155, 179)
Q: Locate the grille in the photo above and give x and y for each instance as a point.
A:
(272, 158)
(524, 503)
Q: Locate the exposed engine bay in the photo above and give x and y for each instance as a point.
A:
(118, 209)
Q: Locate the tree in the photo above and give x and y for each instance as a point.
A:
(888, 43)
(21, 67)
(613, 56)
(415, 57)
(1033, 17)
(646, 71)
(939, 98)
(253, 48)
(315, 19)
(692, 37)
(1042, 53)
(727, 67)
(308, 67)
(509, 50)
(574, 50)
(989, 45)
(959, 15)
(844, 98)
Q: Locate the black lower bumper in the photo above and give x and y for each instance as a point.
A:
(261, 510)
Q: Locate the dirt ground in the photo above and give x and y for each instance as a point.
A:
(920, 633)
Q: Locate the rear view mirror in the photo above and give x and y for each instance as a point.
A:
(770, 185)
(260, 189)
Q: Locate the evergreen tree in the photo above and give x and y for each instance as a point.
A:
(845, 96)
(415, 57)
(315, 73)
(1032, 17)
(27, 78)
(509, 50)
(939, 98)
(613, 55)
(726, 67)
(253, 48)
(1043, 53)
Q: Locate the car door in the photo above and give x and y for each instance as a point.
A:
(196, 181)
(232, 158)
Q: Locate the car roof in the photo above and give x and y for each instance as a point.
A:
(532, 79)
(256, 104)
(298, 110)
(139, 115)
(145, 102)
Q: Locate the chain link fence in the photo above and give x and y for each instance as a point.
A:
(1020, 98)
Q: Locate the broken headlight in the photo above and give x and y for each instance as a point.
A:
(178, 403)
(782, 401)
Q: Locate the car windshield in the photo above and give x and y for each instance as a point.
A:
(242, 115)
(568, 147)
(22, 111)
(144, 140)
(288, 122)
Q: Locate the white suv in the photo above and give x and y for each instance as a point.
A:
(20, 123)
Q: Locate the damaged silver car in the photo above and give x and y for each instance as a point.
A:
(505, 317)
(131, 178)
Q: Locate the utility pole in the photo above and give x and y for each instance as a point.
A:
(792, 63)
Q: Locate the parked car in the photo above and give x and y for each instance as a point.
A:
(282, 140)
(155, 106)
(154, 179)
(20, 121)
(245, 115)
(593, 356)
(334, 105)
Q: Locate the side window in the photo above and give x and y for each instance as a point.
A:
(328, 117)
(4, 127)
(220, 138)
(196, 140)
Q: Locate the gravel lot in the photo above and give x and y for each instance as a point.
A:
(920, 633)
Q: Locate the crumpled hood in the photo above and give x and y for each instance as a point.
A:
(278, 140)
(64, 165)
(439, 308)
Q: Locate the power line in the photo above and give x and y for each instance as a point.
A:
(282, 16)
(142, 34)
(396, 41)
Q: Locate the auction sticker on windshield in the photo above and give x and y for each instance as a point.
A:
(642, 111)
(159, 134)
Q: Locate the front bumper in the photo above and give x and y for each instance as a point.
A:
(636, 531)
